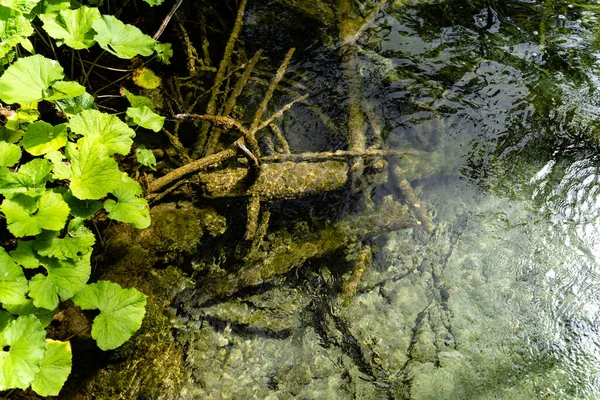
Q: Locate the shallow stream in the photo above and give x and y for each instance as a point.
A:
(501, 300)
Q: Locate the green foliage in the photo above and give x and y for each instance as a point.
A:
(23, 345)
(14, 30)
(54, 177)
(146, 118)
(10, 154)
(72, 27)
(54, 368)
(145, 156)
(122, 40)
(36, 78)
(121, 312)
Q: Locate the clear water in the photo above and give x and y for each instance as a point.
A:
(502, 301)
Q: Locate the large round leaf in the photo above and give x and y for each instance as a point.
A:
(55, 368)
(23, 343)
(72, 27)
(122, 40)
(121, 312)
(29, 79)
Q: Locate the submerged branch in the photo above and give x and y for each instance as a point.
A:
(220, 76)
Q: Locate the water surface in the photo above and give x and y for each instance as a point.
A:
(502, 299)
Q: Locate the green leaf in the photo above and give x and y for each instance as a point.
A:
(121, 312)
(60, 169)
(146, 118)
(94, 172)
(154, 2)
(146, 78)
(25, 256)
(73, 106)
(10, 154)
(138, 101)
(81, 208)
(29, 79)
(64, 279)
(41, 137)
(22, 6)
(63, 90)
(164, 52)
(130, 207)
(50, 7)
(77, 242)
(72, 27)
(30, 179)
(122, 40)
(13, 284)
(111, 132)
(27, 216)
(14, 30)
(23, 344)
(54, 369)
(145, 156)
(28, 113)
(27, 308)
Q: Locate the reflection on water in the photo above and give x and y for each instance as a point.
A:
(503, 299)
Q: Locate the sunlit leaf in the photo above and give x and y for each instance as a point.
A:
(72, 27)
(164, 52)
(109, 130)
(122, 40)
(63, 279)
(81, 208)
(10, 154)
(22, 6)
(50, 7)
(60, 169)
(146, 78)
(94, 172)
(29, 179)
(77, 242)
(154, 2)
(55, 368)
(145, 156)
(146, 118)
(129, 207)
(29, 79)
(14, 30)
(121, 312)
(13, 284)
(27, 216)
(26, 308)
(73, 106)
(23, 343)
(138, 101)
(41, 137)
(64, 90)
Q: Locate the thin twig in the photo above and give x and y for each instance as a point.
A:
(280, 138)
(279, 113)
(165, 22)
(181, 150)
(211, 107)
(213, 140)
(270, 90)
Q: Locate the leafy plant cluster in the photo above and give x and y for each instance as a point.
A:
(54, 177)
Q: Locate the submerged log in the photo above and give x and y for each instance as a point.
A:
(281, 253)
(276, 180)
